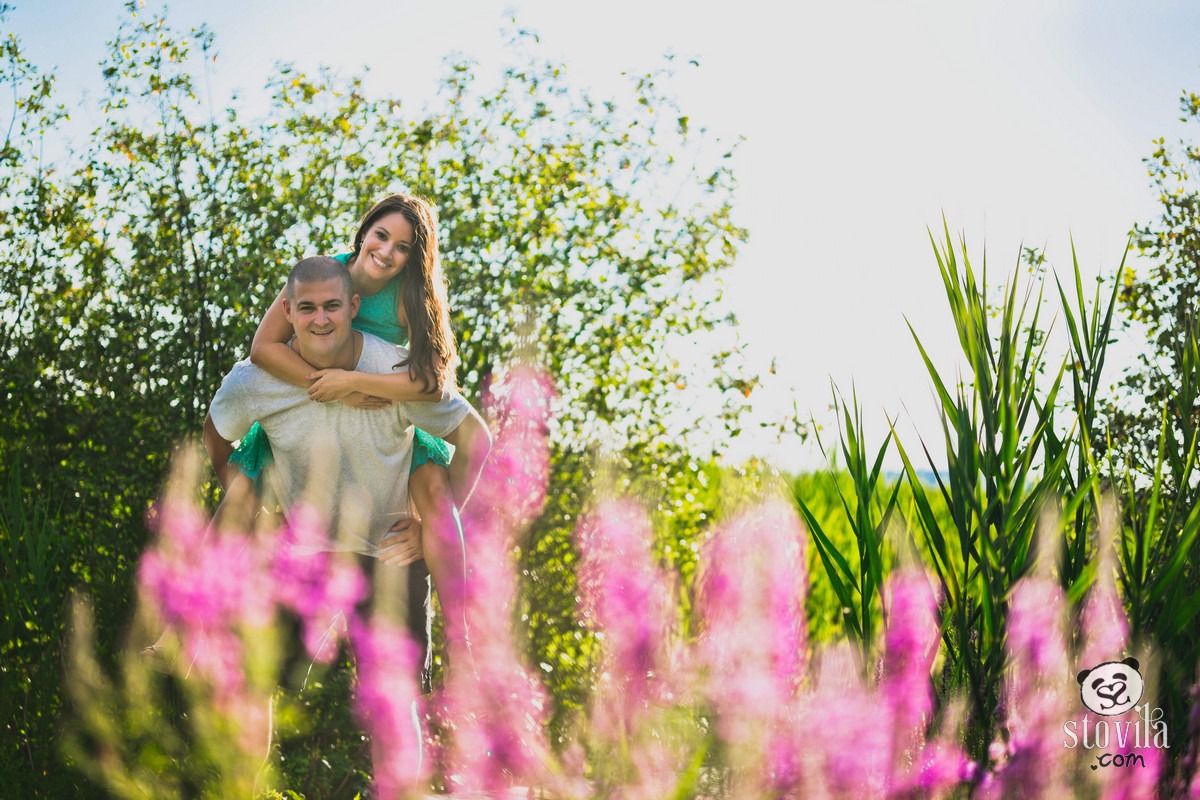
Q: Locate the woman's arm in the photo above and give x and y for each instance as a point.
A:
(270, 349)
(335, 384)
(399, 386)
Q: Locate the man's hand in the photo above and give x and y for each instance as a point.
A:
(401, 545)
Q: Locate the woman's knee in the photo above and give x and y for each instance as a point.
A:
(429, 486)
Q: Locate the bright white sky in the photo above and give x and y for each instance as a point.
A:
(1022, 121)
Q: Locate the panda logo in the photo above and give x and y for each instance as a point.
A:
(1111, 688)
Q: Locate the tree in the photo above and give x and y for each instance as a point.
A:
(1164, 303)
(1154, 424)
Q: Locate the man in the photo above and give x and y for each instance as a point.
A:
(353, 462)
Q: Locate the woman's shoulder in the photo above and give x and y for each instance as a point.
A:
(344, 257)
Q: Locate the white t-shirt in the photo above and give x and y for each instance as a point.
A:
(353, 462)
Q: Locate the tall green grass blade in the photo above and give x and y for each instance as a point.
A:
(1184, 613)
(833, 561)
(932, 530)
(1165, 579)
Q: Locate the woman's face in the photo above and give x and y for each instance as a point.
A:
(386, 246)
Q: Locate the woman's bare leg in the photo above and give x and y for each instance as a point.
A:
(443, 543)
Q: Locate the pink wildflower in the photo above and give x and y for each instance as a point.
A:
(495, 707)
(214, 590)
(625, 595)
(320, 587)
(910, 644)
(751, 603)
(919, 768)
(517, 472)
(851, 753)
(209, 590)
(1137, 783)
(386, 700)
(1190, 777)
(497, 718)
(1037, 682)
(1104, 625)
(1105, 633)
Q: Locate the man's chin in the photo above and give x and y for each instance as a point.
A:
(318, 353)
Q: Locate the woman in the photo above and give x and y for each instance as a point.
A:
(396, 270)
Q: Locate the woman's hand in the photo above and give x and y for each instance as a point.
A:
(329, 385)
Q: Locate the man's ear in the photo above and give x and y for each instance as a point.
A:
(354, 299)
(287, 311)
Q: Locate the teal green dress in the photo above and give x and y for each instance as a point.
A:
(377, 316)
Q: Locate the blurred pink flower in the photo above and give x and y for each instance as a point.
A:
(845, 732)
(751, 593)
(386, 699)
(1189, 778)
(497, 717)
(1036, 694)
(624, 596)
(493, 706)
(919, 767)
(1138, 783)
(752, 643)
(910, 644)
(214, 589)
(320, 587)
(209, 590)
(514, 480)
(1103, 623)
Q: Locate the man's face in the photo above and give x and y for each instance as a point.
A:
(320, 313)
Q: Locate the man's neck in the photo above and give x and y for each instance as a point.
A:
(346, 358)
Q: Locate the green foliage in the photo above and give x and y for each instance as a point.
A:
(1153, 428)
(35, 572)
(988, 466)
(1158, 564)
(139, 732)
(1089, 328)
(830, 502)
(868, 512)
(321, 749)
(1014, 444)
(1161, 301)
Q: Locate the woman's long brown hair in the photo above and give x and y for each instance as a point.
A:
(432, 353)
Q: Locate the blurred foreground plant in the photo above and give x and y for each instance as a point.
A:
(745, 708)
(192, 715)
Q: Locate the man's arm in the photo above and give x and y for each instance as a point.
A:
(240, 498)
(219, 450)
(472, 442)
